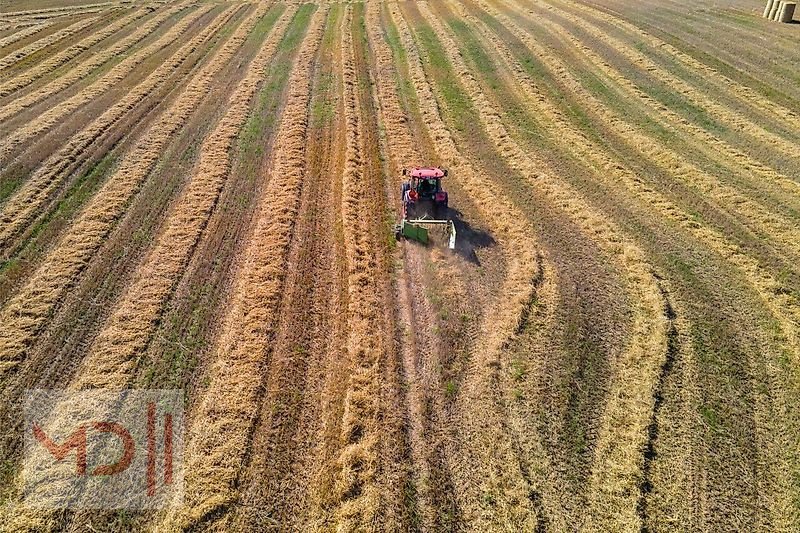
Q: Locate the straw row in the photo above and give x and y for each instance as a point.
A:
(623, 426)
(88, 66)
(27, 202)
(53, 62)
(56, 114)
(26, 51)
(26, 313)
(220, 435)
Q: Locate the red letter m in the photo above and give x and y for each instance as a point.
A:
(77, 441)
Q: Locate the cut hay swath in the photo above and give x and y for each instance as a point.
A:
(627, 415)
(358, 462)
(85, 68)
(754, 213)
(113, 355)
(27, 202)
(219, 437)
(24, 314)
(27, 77)
(18, 55)
(54, 115)
(23, 33)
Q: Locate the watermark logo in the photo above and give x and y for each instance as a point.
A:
(102, 449)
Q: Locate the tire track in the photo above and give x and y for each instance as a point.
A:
(229, 405)
(27, 203)
(92, 63)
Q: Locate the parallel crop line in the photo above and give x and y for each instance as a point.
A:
(87, 67)
(56, 11)
(112, 357)
(697, 97)
(752, 213)
(21, 34)
(26, 313)
(218, 440)
(781, 306)
(744, 92)
(29, 76)
(53, 116)
(737, 160)
(18, 55)
(26, 203)
(516, 238)
(623, 428)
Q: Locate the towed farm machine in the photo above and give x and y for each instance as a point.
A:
(424, 205)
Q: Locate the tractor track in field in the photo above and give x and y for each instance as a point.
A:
(235, 381)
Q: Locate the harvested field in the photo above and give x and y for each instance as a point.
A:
(203, 196)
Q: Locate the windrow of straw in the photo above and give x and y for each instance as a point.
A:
(779, 304)
(26, 313)
(53, 62)
(23, 33)
(54, 115)
(113, 355)
(20, 54)
(696, 96)
(356, 486)
(27, 202)
(623, 427)
(57, 11)
(219, 437)
(91, 63)
(743, 92)
(483, 447)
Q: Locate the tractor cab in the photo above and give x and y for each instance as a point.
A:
(422, 192)
(424, 205)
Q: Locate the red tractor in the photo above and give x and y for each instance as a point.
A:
(424, 204)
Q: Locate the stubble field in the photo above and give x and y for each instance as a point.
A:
(201, 196)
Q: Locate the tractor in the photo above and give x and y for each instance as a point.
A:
(424, 205)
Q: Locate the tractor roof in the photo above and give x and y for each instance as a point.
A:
(427, 172)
